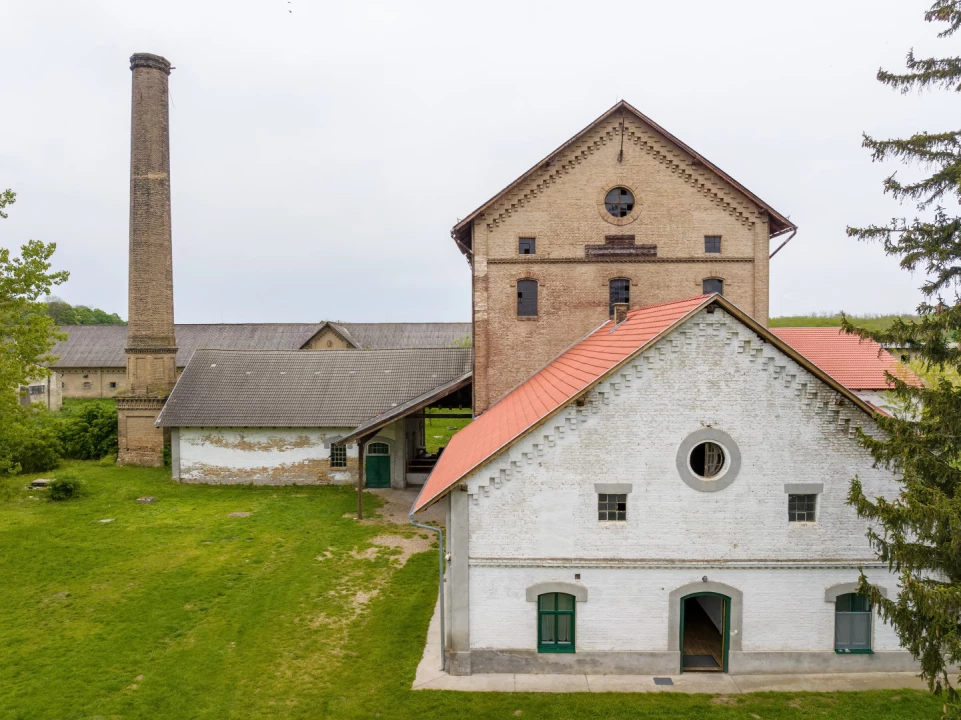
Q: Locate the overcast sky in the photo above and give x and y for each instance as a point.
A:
(320, 157)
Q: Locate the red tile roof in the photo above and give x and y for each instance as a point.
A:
(855, 363)
(551, 389)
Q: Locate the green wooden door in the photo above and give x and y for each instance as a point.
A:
(377, 464)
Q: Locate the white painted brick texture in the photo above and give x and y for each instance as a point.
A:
(533, 509)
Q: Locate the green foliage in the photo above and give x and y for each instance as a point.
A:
(918, 533)
(29, 441)
(65, 487)
(869, 322)
(88, 430)
(177, 610)
(26, 335)
(63, 313)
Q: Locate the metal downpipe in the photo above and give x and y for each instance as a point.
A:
(440, 584)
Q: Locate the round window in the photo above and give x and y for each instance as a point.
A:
(619, 202)
(707, 460)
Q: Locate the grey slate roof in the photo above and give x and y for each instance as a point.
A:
(90, 346)
(305, 388)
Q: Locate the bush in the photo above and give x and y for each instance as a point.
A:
(29, 441)
(108, 460)
(88, 431)
(65, 488)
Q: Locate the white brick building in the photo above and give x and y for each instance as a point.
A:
(719, 459)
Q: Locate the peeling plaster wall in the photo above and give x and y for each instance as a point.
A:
(263, 456)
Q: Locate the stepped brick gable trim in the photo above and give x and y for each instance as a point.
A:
(639, 129)
(575, 372)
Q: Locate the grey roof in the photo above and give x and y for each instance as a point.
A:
(417, 403)
(90, 346)
(305, 388)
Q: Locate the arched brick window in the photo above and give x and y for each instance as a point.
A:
(713, 285)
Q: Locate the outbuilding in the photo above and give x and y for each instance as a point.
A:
(281, 417)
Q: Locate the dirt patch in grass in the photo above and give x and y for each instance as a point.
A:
(407, 545)
(726, 700)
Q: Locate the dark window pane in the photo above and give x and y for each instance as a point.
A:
(619, 292)
(527, 298)
(547, 601)
(619, 202)
(526, 246)
(712, 243)
(713, 285)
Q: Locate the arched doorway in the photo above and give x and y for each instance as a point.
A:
(705, 632)
(377, 465)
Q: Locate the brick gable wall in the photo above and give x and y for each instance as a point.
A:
(678, 202)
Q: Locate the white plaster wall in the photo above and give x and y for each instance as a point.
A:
(262, 455)
(535, 505)
(627, 610)
(538, 500)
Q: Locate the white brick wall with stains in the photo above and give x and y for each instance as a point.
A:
(533, 510)
(262, 455)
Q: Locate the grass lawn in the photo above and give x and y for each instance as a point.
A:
(176, 610)
(439, 431)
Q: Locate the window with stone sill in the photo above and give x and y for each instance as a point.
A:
(338, 456)
(801, 508)
(611, 508)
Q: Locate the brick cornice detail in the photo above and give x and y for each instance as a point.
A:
(705, 182)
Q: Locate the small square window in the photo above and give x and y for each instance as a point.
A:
(113, 385)
(612, 507)
(338, 456)
(712, 243)
(87, 386)
(800, 508)
(526, 246)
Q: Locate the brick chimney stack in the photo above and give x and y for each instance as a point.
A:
(151, 348)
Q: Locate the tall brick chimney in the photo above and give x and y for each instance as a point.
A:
(151, 348)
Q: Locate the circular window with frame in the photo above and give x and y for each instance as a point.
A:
(618, 204)
(708, 460)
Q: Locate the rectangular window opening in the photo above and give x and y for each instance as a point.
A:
(527, 298)
(612, 508)
(619, 292)
(338, 456)
(712, 243)
(526, 246)
(801, 508)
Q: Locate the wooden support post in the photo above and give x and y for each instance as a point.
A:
(361, 443)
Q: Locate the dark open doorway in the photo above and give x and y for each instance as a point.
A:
(705, 630)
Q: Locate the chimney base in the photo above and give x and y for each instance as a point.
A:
(139, 441)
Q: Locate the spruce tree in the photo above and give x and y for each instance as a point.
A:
(918, 533)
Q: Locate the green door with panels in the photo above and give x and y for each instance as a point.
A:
(377, 465)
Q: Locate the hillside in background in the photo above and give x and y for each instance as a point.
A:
(870, 322)
(63, 313)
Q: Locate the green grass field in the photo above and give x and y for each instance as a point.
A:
(175, 609)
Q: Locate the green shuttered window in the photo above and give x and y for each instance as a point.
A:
(555, 623)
